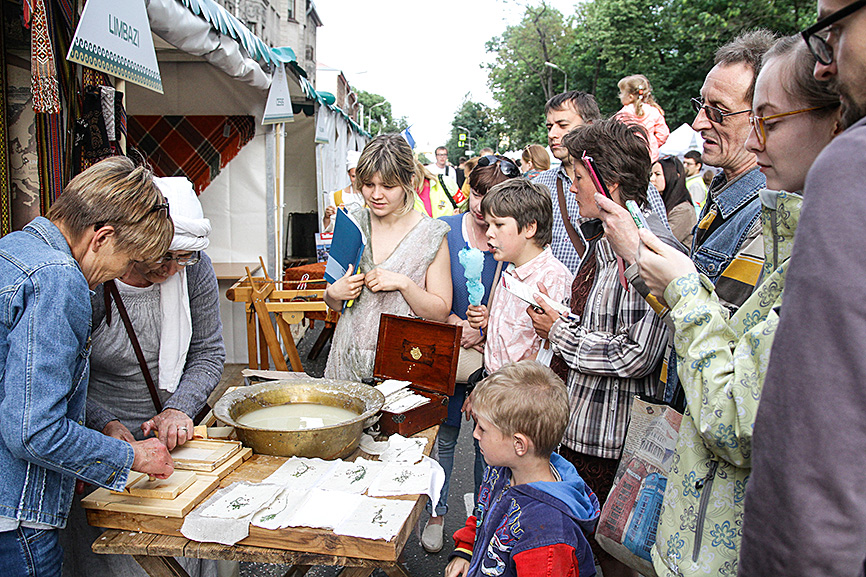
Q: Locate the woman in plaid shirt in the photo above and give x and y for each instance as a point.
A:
(608, 350)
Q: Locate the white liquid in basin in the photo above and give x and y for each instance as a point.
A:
(296, 417)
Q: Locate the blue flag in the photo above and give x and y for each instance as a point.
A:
(408, 136)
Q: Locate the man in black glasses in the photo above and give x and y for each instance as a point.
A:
(805, 510)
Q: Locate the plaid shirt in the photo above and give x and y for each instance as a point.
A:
(611, 353)
(561, 244)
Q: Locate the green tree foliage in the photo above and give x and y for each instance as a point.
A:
(672, 42)
(519, 79)
(379, 112)
(484, 130)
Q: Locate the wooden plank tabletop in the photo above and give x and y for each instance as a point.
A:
(149, 535)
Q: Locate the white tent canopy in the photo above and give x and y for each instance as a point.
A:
(681, 141)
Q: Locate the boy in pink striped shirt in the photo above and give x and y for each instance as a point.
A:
(519, 215)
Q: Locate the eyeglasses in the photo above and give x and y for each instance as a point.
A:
(818, 44)
(507, 167)
(589, 163)
(716, 115)
(757, 122)
(184, 260)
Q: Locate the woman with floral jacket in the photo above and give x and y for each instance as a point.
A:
(722, 361)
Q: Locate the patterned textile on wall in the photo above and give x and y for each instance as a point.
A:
(46, 93)
(5, 177)
(193, 146)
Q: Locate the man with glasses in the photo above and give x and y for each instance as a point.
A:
(694, 165)
(441, 165)
(805, 510)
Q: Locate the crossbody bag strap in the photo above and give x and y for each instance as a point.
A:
(572, 234)
(448, 194)
(111, 289)
(496, 276)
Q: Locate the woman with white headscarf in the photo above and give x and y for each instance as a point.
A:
(173, 309)
(173, 306)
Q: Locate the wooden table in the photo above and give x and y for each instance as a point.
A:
(155, 541)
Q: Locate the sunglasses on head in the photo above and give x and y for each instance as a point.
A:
(589, 164)
(507, 167)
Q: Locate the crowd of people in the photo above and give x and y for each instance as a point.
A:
(703, 301)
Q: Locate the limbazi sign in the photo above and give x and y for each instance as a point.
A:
(279, 106)
(114, 37)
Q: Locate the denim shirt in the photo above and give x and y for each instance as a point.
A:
(44, 362)
(740, 208)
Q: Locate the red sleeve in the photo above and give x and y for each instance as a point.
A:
(551, 561)
(464, 538)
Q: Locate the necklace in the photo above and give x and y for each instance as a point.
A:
(473, 233)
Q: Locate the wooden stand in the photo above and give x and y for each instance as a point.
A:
(153, 539)
(262, 297)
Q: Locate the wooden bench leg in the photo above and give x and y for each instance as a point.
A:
(160, 566)
(297, 571)
(356, 571)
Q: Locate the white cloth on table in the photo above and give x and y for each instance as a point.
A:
(402, 449)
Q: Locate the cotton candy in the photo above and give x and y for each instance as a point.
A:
(472, 260)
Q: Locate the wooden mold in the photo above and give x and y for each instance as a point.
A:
(141, 486)
(203, 455)
(178, 507)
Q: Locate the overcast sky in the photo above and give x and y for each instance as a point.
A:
(424, 57)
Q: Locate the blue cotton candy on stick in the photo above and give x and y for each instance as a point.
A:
(472, 260)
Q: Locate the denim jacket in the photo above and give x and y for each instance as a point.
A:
(740, 207)
(44, 362)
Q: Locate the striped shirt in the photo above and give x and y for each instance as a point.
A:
(611, 353)
(561, 245)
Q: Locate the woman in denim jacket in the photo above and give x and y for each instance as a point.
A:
(107, 217)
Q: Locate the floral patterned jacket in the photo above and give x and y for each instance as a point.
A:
(722, 363)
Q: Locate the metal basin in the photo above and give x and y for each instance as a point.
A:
(329, 442)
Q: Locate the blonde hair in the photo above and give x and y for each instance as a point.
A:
(389, 156)
(639, 86)
(527, 398)
(537, 156)
(116, 192)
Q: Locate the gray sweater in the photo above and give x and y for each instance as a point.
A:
(206, 356)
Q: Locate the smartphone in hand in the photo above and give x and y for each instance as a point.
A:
(636, 214)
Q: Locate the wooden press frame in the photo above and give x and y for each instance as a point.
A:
(262, 297)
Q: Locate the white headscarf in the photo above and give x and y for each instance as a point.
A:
(191, 230)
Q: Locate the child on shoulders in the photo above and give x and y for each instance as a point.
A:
(519, 214)
(534, 510)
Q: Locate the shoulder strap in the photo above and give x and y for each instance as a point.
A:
(112, 292)
(448, 194)
(496, 276)
(572, 234)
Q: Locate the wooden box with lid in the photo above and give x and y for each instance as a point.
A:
(424, 353)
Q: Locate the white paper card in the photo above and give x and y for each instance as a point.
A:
(324, 509)
(300, 474)
(277, 514)
(401, 479)
(376, 519)
(352, 477)
(243, 499)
